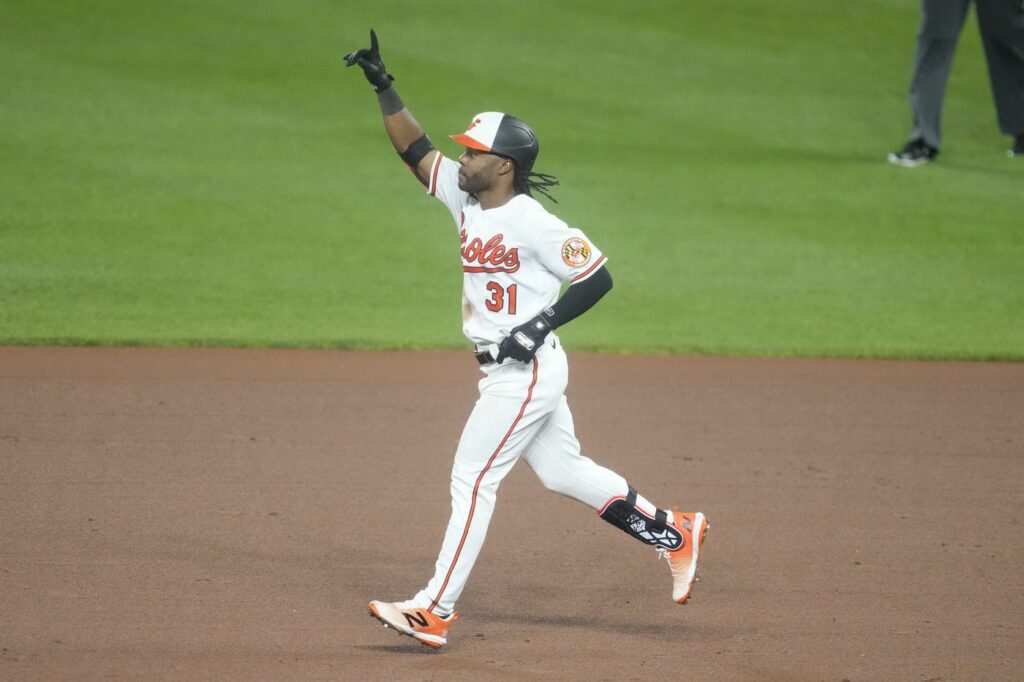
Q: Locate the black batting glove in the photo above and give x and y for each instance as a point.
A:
(523, 341)
(371, 64)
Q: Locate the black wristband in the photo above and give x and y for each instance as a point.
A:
(415, 152)
(390, 102)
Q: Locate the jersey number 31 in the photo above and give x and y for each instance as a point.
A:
(497, 301)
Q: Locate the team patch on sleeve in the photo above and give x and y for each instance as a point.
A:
(576, 252)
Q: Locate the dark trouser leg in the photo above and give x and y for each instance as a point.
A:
(941, 21)
(1002, 33)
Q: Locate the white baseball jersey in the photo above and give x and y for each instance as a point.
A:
(515, 257)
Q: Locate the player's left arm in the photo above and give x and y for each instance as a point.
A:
(523, 341)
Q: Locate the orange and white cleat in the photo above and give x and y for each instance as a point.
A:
(409, 618)
(683, 561)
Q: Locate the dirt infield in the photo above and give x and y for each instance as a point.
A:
(217, 514)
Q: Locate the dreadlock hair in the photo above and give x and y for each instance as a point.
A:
(525, 181)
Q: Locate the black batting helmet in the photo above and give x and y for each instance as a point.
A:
(503, 134)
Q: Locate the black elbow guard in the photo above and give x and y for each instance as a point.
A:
(415, 152)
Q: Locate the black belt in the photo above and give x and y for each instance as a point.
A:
(484, 357)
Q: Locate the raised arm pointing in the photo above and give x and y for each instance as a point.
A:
(406, 134)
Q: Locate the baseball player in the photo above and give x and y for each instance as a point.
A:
(515, 258)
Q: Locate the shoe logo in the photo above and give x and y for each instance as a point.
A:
(416, 619)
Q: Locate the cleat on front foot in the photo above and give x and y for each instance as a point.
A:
(412, 620)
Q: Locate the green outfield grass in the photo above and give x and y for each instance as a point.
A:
(207, 173)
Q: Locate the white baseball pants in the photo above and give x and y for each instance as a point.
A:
(522, 412)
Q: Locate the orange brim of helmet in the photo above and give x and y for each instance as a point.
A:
(467, 141)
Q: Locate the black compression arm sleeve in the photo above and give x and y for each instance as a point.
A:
(579, 298)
